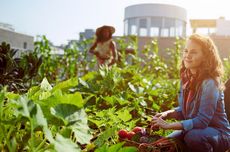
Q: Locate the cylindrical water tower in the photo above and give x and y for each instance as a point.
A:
(155, 20)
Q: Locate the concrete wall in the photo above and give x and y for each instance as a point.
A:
(151, 9)
(17, 40)
(222, 43)
(222, 27)
(163, 44)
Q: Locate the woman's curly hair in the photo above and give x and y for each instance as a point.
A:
(212, 66)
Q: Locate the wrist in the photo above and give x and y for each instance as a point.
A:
(169, 114)
(174, 126)
(168, 126)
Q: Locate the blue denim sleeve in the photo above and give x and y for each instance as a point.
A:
(178, 109)
(207, 108)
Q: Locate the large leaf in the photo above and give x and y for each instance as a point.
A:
(25, 106)
(124, 115)
(73, 99)
(45, 86)
(65, 112)
(108, 133)
(32, 91)
(66, 84)
(63, 144)
(115, 148)
(118, 148)
(58, 97)
(38, 118)
(74, 118)
(11, 95)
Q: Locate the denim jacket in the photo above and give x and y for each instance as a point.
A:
(206, 110)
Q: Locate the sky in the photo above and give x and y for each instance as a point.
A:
(62, 20)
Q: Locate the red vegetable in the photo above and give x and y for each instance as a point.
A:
(122, 133)
(137, 129)
(130, 135)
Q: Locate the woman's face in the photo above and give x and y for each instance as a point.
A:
(193, 56)
(106, 33)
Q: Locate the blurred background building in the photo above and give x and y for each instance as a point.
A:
(161, 22)
(155, 20)
(17, 40)
(217, 29)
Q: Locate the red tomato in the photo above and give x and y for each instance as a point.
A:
(122, 133)
(137, 129)
(130, 135)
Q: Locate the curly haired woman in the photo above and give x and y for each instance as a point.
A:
(203, 125)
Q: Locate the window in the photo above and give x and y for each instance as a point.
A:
(169, 22)
(132, 27)
(156, 22)
(164, 32)
(143, 32)
(179, 28)
(143, 23)
(133, 30)
(154, 31)
(24, 45)
(172, 32)
(143, 27)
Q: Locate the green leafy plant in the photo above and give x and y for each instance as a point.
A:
(85, 111)
(17, 73)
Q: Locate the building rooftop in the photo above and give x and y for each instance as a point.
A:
(7, 26)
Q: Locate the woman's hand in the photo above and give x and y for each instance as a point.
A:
(166, 114)
(159, 122)
(162, 115)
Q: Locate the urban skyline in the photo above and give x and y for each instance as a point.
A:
(62, 20)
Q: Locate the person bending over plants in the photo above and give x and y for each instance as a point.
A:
(104, 47)
(203, 124)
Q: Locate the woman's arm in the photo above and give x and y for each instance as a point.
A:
(166, 114)
(159, 122)
(208, 103)
(207, 107)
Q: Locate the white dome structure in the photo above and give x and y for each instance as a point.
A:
(155, 20)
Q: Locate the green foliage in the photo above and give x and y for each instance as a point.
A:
(36, 122)
(116, 148)
(175, 59)
(85, 111)
(48, 67)
(74, 62)
(17, 73)
(152, 62)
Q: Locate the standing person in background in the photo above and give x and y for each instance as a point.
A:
(204, 126)
(104, 47)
